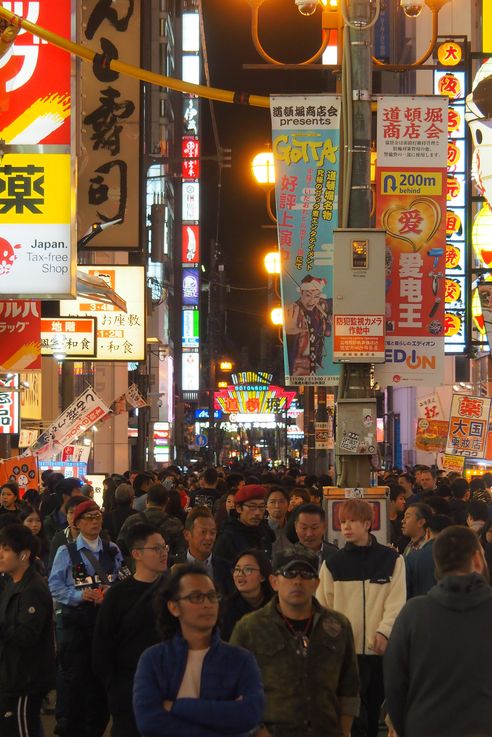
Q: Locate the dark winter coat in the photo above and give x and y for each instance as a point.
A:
(236, 537)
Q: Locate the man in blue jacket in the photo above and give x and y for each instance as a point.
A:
(194, 684)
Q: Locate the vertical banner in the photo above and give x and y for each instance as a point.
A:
(468, 426)
(110, 125)
(306, 149)
(20, 336)
(411, 206)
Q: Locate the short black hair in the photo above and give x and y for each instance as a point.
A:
(167, 625)
(310, 508)
(139, 533)
(279, 490)
(439, 522)
(19, 537)
(158, 494)
(13, 486)
(459, 487)
(210, 476)
(453, 550)
(74, 501)
(478, 510)
(197, 513)
(423, 511)
(395, 491)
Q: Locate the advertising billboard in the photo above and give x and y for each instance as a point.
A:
(20, 335)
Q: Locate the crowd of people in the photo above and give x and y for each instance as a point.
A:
(212, 603)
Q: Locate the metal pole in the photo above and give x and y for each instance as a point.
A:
(355, 378)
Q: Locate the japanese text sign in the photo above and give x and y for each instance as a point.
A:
(20, 336)
(110, 112)
(87, 409)
(357, 335)
(9, 405)
(75, 338)
(35, 78)
(468, 426)
(411, 207)
(306, 149)
(35, 216)
(429, 407)
(120, 334)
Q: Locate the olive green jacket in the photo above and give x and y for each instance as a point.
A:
(305, 693)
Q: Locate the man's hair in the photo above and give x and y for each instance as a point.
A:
(124, 494)
(139, 480)
(422, 511)
(68, 486)
(74, 501)
(438, 504)
(408, 477)
(439, 522)
(233, 480)
(309, 509)
(356, 509)
(453, 550)
(197, 513)
(158, 495)
(478, 510)
(279, 490)
(210, 476)
(426, 469)
(459, 487)
(421, 467)
(395, 491)
(19, 537)
(301, 492)
(13, 486)
(138, 534)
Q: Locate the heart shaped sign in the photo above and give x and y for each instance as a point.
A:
(416, 224)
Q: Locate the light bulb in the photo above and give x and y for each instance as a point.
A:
(306, 7)
(412, 8)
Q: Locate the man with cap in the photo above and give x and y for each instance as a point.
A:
(249, 528)
(305, 652)
(81, 573)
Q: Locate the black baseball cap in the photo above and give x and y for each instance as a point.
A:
(297, 555)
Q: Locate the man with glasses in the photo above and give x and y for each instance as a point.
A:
(125, 625)
(82, 572)
(249, 529)
(193, 684)
(306, 654)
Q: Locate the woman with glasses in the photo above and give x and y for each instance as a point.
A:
(251, 572)
(193, 684)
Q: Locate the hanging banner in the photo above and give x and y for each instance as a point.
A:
(431, 435)
(87, 409)
(20, 336)
(74, 338)
(30, 397)
(76, 453)
(120, 329)
(429, 408)
(455, 464)
(24, 471)
(110, 125)
(306, 150)
(9, 405)
(468, 426)
(411, 206)
(485, 295)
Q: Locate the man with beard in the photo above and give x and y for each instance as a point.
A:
(249, 529)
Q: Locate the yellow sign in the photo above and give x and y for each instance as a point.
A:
(487, 26)
(449, 54)
(404, 183)
(35, 188)
(30, 396)
(453, 463)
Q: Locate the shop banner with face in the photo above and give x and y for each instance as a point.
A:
(411, 187)
(306, 150)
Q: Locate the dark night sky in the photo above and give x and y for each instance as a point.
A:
(288, 36)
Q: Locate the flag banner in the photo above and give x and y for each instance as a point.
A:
(468, 426)
(306, 150)
(87, 409)
(24, 471)
(411, 190)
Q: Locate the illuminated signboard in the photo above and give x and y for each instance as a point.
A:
(190, 287)
(191, 328)
(450, 81)
(19, 330)
(247, 398)
(9, 405)
(191, 244)
(74, 338)
(120, 329)
(190, 231)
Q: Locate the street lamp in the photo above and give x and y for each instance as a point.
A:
(277, 316)
(272, 262)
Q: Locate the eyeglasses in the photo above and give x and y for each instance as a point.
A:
(246, 570)
(156, 548)
(255, 507)
(198, 597)
(304, 573)
(93, 517)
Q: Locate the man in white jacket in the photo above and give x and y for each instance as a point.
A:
(366, 582)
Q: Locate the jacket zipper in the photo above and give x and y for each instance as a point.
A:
(363, 610)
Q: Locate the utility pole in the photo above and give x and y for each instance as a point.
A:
(355, 378)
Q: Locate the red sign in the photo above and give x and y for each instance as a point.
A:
(190, 148)
(190, 235)
(20, 335)
(24, 471)
(190, 168)
(35, 78)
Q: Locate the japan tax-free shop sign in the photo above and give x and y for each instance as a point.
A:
(306, 150)
(120, 331)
